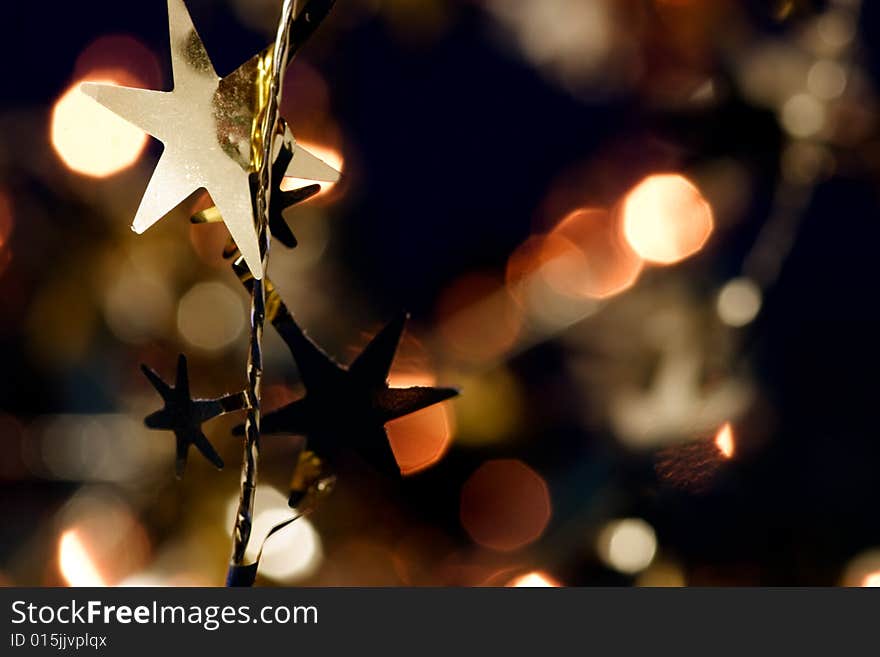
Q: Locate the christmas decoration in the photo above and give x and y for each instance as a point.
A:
(225, 135)
(184, 415)
(344, 407)
(210, 129)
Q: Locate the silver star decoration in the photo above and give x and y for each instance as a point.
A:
(206, 124)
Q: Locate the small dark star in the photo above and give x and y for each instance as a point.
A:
(185, 416)
(279, 201)
(344, 406)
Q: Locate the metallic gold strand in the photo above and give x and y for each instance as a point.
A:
(269, 88)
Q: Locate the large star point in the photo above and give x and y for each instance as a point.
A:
(206, 125)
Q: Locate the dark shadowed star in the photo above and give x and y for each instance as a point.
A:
(344, 407)
(185, 416)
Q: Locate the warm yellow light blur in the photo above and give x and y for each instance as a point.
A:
(872, 580)
(479, 321)
(666, 219)
(584, 257)
(628, 546)
(210, 316)
(826, 79)
(91, 139)
(803, 116)
(739, 302)
(863, 570)
(330, 156)
(535, 579)
(293, 554)
(724, 441)
(74, 562)
(596, 262)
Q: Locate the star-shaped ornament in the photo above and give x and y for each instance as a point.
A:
(344, 407)
(279, 202)
(184, 415)
(207, 125)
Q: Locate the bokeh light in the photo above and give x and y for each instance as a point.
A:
(535, 579)
(130, 59)
(102, 542)
(628, 546)
(836, 29)
(586, 49)
(739, 302)
(526, 261)
(724, 441)
(91, 139)
(803, 115)
(291, 555)
(863, 570)
(478, 320)
(871, 580)
(584, 256)
(93, 448)
(75, 562)
(211, 316)
(666, 219)
(826, 79)
(574, 354)
(772, 72)
(505, 505)
(608, 265)
(421, 439)
(138, 304)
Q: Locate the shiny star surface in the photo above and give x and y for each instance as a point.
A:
(206, 124)
(185, 416)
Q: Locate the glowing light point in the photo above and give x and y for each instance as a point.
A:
(75, 563)
(803, 116)
(628, 546)
(666, 219)
(534, 580)
(739, 302)
(872, 580)
(724, 441)
(91, 139)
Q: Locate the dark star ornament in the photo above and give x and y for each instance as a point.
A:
(279, 202)
(344, 407)
(184, 415)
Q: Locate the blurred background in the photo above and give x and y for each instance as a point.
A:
(639, 234)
